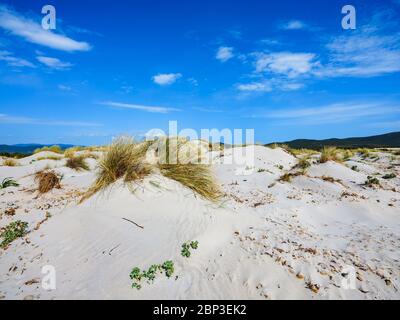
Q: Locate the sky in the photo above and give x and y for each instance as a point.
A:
(286, 69)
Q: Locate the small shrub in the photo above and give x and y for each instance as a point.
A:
(185, 252)
(389, 176)
(55, 149)
(13, 231)
(47, 181)
(372, 181)
(8, 182)
(10, 163)
(77, 163)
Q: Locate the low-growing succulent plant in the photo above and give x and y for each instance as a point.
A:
(13, 231)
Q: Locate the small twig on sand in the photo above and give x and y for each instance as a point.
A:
(137, 225)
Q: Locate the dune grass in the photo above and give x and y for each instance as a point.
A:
(196, 177)
(123, 159)
(9, 163)
(330, 154)
(126, 159)
(55, 158)
(77, 163)
(55, 149)
(47, 180)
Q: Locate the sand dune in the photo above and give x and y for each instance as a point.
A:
(265, 239)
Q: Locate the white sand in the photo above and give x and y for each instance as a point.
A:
(265, 240)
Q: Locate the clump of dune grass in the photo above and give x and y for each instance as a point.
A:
(77, 163)
(303, 163)
(288, 176)
(54, 158)
(123, 159)
(69, 153)
(330, 154)
(196, 177)
(10, 163)
(55, 149)
(47, 180)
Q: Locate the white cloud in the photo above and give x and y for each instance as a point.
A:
(365, 53)
(164, 79)
(255, 87)
(286, 63)
(33, 32)
(54, 63)
(14, 61)
(64, 88)
(335, 113)
(32, 121)
(293, 25)
(151, 109)
(224, 54)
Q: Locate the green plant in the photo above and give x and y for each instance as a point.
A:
(354, 168)
(185, 252)
(371, 181)
(303, 163)
(137, 275)
(8, 182)
(389, 176)
(13, 231)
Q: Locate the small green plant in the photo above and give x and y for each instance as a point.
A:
(261, 170)
(8, 182)
(389, 176)
(138, 275)
(185, 252)
(355, 168)
(13, 231)
(303, 163)
(371, 181)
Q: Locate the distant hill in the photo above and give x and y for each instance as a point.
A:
(27, 148)
(389, 140)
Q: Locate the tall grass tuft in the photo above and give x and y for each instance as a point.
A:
(123, 159)
(8, 182)
(330, 154)
(77, 163)
(47, 180)
(196, 177)
(10, 163)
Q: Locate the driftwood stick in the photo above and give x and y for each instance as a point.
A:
(137, 225)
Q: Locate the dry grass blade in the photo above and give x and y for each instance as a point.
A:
(199, 178)
(10, 163)
(47, 180)
(330, 154)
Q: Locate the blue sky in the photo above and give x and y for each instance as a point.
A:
(286, 69)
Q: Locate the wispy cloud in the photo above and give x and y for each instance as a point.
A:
(64, 87)
(255, 87)
(209, 110)
(335, 113)
(54, 63)
(31, 31)
(289, 64)
(365, 53)
(9, 119)
(13, 61)
(224, 54)
(164, 79)
(293, 25)
(152, 109)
